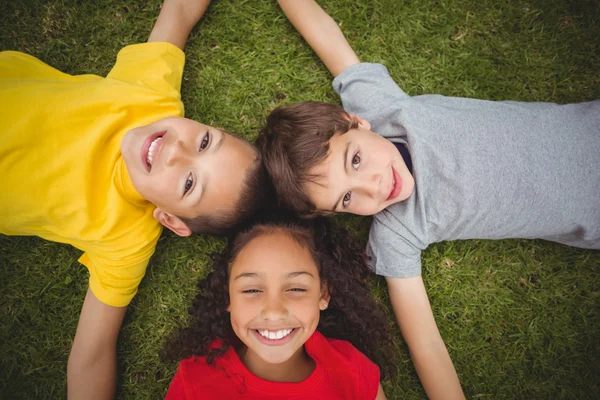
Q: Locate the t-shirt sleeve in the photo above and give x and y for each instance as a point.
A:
(391, 253)
(356, 364)
(115, 281)
(156, 65)
(368, 371)
(177, 388)
(366, 89)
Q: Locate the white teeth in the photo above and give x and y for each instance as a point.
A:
(275, 334)
(151, 149)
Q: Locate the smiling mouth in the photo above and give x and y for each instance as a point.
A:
(396, 185)
(274, 335)
(150, 149)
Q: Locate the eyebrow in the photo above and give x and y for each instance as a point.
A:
(257, 275)
(247, 275)
(216, 146)
(345, 161)
(299, 273)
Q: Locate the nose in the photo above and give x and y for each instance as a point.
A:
(274, 309)
(371, 185)
(176, 152)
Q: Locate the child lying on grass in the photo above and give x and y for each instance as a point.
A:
(104, 163)
(437, 168)
(286, 314)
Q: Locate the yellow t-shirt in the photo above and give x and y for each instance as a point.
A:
(62, 176)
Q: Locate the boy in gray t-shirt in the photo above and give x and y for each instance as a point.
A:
(439, 168)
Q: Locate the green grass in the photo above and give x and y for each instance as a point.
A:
(521, 319)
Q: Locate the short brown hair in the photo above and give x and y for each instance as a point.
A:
(257, 194)
(295, 139)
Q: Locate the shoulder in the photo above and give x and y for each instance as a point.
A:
(189, 380)
(194, 365)
(345, 363)
(356, 70)
(394, 250)
(151, 50)
(157, 66)
(349, 352)
(197, 371)
(335, 354)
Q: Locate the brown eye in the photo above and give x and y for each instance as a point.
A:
(346, 199)
(188, 184)
(356, 161)
(204, 143)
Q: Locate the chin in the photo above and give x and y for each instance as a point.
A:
(275, 360)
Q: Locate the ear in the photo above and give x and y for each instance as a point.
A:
(363, 123)
(325, 297)
(172, 222)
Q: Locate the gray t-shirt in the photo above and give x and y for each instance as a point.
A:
(482, 169)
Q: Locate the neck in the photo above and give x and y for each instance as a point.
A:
(296, 369)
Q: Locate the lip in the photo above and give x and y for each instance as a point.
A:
(397, 187)
(275, 342)
(146, 146)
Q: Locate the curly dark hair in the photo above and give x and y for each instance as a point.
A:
(352, 315)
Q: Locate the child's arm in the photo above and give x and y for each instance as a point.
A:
(176, 20)
(91, 371)
(427, 350)
(92, 366)
(380, 393)
(322, 34)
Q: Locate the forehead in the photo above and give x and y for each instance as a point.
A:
(273, 254)
(225, 174)
(328, 176)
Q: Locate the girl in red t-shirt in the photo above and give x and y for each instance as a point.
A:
(280, 317)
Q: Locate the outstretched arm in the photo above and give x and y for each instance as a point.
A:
(380, 393)
(427, 350)
(91, 372)
(176, 20)
(322, 34)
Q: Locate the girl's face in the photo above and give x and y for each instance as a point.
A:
(275, 296)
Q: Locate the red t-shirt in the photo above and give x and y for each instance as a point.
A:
(341, 372)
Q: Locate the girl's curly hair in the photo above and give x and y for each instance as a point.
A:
(352, 315)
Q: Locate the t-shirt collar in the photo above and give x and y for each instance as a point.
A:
(125, 185)
(242, 376)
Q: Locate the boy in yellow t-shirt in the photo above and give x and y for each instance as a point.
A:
(104, 163)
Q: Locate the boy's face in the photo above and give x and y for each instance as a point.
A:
(362, 174)
(276, 298)
(186, 168)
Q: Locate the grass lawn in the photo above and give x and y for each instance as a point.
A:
(521, 318)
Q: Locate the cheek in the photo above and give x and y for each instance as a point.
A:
(241, 313)
(383, 149)
(308, 313)
(163, 186)
(367, 206)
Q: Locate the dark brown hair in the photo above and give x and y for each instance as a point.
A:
(257, 194)
(295, 139)
(352, 315)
